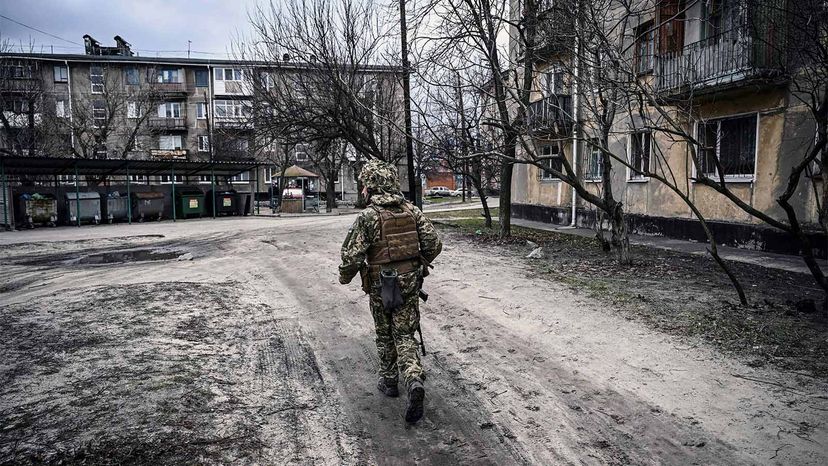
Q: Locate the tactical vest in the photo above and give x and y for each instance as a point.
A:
(399, 243)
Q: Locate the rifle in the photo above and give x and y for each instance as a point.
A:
(424, 296)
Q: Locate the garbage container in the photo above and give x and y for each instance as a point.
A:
(243, 203)
(89, 205)
(147, 206)
(225, 202)
(37, 208)
(190, 202)
(117, 207)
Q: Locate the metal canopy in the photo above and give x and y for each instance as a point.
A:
(35, 166)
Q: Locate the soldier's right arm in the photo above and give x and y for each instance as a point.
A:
(430, 244)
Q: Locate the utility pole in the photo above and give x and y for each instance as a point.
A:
(409, 145)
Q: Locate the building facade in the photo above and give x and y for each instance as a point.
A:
(714, 64)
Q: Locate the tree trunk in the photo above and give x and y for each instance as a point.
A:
(361, 202)
(487, 213)
(505, 216)
(330, 193)
(620, 235)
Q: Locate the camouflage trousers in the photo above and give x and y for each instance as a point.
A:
(396, 346)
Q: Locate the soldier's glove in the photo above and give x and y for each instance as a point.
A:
(344, 280)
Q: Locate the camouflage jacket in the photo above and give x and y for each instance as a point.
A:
(366, 230)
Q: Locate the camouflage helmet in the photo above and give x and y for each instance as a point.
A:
(379, 176)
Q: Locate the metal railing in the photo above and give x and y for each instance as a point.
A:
(725, 58)
(168, 123)
(550, 113)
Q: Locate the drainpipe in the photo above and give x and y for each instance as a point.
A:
(575, 114)
(71, 116)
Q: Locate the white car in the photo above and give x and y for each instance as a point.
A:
(441, 191)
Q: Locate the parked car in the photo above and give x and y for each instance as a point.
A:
(440, 191)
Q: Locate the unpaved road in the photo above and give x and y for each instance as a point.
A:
(252, 352)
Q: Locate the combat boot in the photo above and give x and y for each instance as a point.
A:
(388, 386)
(416, 395)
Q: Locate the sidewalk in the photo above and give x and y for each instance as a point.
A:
(765, 259)
(493, 202)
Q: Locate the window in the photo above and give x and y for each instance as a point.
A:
(204, 143)
(201, 110)
(301, 152)
(169, 75)
(61, 74)
(169, 142)
(640, 146)
(96, 77)
(167, 178)
(60, 109)
(644, 48)
(733, 142)
(554, 161)
(552, 82)
(169, 110)
(100, 152)
(131, 76)
(243, 176)
(201, 78)
(671, 26)
(228, 74)
(137, 178)
(230, 109)
(132, 110)
(99, 113)
(719, 17)
(595, 162)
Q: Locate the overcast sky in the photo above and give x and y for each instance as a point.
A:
(149, 25)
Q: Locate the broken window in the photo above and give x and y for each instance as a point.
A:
(640, 146)
(204, 144)
(131, 76)
(671, 26)
(733, 142)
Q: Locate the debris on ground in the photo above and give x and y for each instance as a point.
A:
(536, 253)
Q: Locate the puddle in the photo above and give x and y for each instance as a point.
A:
(135, 255)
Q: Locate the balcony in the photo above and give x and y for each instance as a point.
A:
(21, 85)
(170, 154)
(170, 88)
(729, 59)
(550, 116)
(233, 123)
(168, 124)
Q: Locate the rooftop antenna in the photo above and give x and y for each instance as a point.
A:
(188, 48)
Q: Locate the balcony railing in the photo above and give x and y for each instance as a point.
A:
(170, 154)
(168, 124)
(170, 88)
(723, 59)
(550, 115)
(233, 122)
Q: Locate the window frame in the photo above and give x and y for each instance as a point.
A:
(728, 178)
(205, 73)
(173, 138)
(632, 175)
(543, 174)
(95, 111)
(588, 175)
(645, 34)
(63, 75)
(203, 143)
(92, 79)
(131, 74)
(201, 110)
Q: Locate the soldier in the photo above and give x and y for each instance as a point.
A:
(391, 244)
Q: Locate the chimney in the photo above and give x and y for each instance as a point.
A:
(124, 47)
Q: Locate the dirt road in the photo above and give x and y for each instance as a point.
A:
(114, 350)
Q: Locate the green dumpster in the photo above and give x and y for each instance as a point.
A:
(190, 203)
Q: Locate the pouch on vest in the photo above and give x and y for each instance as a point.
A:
(390, 290)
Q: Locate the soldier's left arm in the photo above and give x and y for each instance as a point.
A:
(430, 244)
(354, 249)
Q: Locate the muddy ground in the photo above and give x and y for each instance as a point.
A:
(114, 351)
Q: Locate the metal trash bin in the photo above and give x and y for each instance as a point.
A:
(225, 202)
(89, 205)
(117, 207)
(37, 208)
(243, 203)
(190, 202)
(147, 206)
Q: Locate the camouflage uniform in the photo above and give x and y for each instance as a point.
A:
(396, 345)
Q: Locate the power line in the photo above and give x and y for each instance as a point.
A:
(40, 30)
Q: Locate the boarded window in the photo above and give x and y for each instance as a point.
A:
(671, 26)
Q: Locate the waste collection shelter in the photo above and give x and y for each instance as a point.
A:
(303, 180)
(50, 175)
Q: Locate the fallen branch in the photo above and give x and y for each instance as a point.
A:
(769, 382)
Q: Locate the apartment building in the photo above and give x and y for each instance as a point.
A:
(111, 103)
(714, 60)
